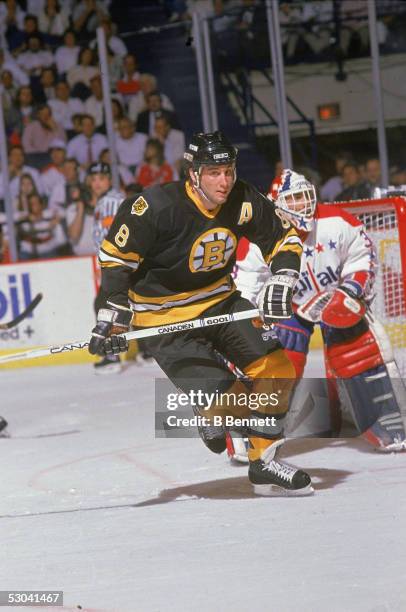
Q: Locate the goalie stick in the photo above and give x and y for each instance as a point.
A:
(23, 314)
(135, 335)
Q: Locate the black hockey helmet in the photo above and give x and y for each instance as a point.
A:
(99, 168)
(210, 149)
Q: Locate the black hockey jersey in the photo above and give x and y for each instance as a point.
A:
(171, 259)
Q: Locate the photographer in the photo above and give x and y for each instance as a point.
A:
(79, 218)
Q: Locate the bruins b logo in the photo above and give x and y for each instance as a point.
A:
(212, 250)
(139, 207)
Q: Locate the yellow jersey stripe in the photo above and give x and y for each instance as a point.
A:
(177, 314)
(111, 249)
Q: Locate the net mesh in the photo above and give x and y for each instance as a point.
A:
(381, 224)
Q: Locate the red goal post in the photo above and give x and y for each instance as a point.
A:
(385, 223)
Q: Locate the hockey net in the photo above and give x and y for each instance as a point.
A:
(385, 224)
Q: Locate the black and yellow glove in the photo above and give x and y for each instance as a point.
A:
(110, 321)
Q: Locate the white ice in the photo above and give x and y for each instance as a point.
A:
(92, 504)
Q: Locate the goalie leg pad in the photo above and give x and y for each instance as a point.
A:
(372, 401)
(352, 351)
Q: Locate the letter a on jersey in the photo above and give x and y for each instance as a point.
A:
(139, 207)
(246, 213)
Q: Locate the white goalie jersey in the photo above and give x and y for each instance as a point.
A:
(337, 250)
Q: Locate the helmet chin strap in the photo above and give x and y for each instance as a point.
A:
(197, 187)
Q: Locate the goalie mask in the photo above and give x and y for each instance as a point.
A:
(295, 199)
(210, 149)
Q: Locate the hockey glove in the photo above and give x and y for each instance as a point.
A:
(343, 310)
(110, 322)
(275, 298)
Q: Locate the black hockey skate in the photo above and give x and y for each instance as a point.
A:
(3, 426)
(110, 364)
(271, 477)
(213, 436)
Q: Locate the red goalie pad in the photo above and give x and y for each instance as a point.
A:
(342, 310)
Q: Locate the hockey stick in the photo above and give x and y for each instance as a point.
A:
(23, 314)
(134, 335)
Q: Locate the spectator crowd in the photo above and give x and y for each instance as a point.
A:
(55, 125)
(53, 107)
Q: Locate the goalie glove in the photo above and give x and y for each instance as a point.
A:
(275, 298)
(110, 322)
(343, 310)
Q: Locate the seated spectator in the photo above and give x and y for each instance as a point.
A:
(87, 16)
(397, 176)
(66, 56)
(64, 106)
(19, 38)
(172, 140)
(79, 76)
(130, 144)
(138, 102)
(94, 104)
(253, 36)
(11, 14)
(53, 19)
(64, 192)
(16, 168)
(334, 185)
(117, 112)
(9, 92)
(11, 23)
(373, 173)
(146, 119)
(154, 170)
(223, 22)
(35, 58)
(113, 43)
(355, 28)
(290, 18)
(22, 113)
(317, 18)
(87, 146)
(7, 62)
(129, 84)
(4, 251)
(52, 174)
(114, 68)
(124, 173)
(79, 221)
(77, 125)
(27, 188)
(40, 235)
(45, 89)
(355, 188)
(39, 134)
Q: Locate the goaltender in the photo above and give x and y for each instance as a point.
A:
(168, 257)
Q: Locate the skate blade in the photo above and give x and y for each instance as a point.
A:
(391, 448)
(270, 490)
(110, 369)
(239, 459)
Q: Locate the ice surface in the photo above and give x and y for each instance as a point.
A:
(93, 504)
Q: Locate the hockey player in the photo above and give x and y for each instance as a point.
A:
(335, 289)
(168, 257)
(107, 205)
